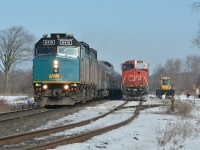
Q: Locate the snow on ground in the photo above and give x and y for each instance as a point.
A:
(140, 134)
(17, 99)
(87, 113)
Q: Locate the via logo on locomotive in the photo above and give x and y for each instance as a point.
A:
(55, 76)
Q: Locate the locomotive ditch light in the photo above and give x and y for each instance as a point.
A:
(66, 87)
(45, 87)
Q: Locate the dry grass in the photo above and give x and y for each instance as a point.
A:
(180, 108)
(173, 134)
(183, 108)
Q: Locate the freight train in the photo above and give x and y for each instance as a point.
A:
(67, 71)
(135, 78)
(165, 88)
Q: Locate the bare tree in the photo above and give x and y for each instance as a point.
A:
(191, 64)
(16, 45)
(196, 39)
(196, 5)
(173, 68)
(155, 77)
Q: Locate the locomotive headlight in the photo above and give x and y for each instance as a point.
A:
(66, 87)
(55, 62)
(55, 66)
(45, 87)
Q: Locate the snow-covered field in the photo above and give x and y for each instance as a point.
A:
(143, 133)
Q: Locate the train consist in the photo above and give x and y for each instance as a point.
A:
(66, 71)
(135, 76)
(165, 88)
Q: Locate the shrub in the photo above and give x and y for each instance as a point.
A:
(173, 134)
(181, 108)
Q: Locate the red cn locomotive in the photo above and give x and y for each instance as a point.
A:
(135, 76)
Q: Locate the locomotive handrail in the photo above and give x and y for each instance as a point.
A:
(123, 82)
(145, 80)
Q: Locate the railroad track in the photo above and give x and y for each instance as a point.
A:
(73, 139)
(24, 123)
(30, 135)
(20, 121)
(19, 114)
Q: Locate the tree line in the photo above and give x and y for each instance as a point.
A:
(16, 48)
(184, 74)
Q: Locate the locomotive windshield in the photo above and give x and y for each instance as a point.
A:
(127, 67)
(45, 50)
(164, 82)
(68, 51)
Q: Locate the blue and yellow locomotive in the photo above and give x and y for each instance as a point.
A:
(66, 71)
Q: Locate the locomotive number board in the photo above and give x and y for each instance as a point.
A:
(48, 42)
(65, 42)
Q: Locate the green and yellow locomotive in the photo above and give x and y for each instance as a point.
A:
(66, 71)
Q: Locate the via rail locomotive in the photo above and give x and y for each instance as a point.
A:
(66, 71)
(135, 76)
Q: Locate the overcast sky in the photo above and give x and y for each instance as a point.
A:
(120, 30)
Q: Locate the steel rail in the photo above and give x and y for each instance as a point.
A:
(24, 116)
(84, 136)
(19, 113)
(30, 135)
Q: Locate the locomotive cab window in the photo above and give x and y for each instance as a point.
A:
(127, 67)
(68, 51)
(164, 82)
(45, 50)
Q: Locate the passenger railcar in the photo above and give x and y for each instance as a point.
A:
(135, 76)
(66, 71)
